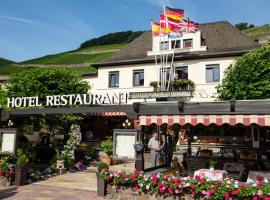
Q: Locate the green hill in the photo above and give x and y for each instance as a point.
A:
(113, 38)
(4, 61)
(260, 33)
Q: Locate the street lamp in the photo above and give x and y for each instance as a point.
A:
(10, 123)
(126, 124)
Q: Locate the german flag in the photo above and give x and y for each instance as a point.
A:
(174, 13)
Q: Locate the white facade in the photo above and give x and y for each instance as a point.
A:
(199, 71)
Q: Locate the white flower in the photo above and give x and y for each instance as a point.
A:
(147, 187)
(254, 184)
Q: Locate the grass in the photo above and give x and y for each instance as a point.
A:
(9, 69)
(4, 61)
(68, 58)
(101, 48)
(258, 32)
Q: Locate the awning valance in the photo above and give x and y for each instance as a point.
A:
(246, 120)
(107, 114)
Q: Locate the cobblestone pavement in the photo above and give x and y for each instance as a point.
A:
(40, 192)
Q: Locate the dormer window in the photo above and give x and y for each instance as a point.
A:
(176, 44)
(187, 43)
(164, 45)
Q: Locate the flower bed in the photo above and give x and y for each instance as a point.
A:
(5, 173)
(198, 188)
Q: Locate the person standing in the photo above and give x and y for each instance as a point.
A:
(154, 146)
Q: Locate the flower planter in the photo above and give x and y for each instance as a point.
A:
(101, 185)
(20, 175)
(4, 181)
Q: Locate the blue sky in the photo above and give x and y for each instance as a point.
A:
(34, 28)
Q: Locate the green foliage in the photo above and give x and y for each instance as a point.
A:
(244, 25)
(153, 84)
(101, 166)
(248, 77)
(259, 32)
(212, 163)
(70, 58)
(179, 84)
(107, 145)
(43, 82)
(22, 158)
(112, 38)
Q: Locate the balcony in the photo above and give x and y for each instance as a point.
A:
(177, 89)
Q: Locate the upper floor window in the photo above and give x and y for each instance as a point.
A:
(181, 72)
(176, 44)
(164, 45)
(212, 73)
(187, 43)
(138, 77)
(114, 79)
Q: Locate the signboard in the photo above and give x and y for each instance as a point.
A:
(162, 94)
(8, 141)
(68, 100)
(123, 144)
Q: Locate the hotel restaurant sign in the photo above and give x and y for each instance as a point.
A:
(68, 100)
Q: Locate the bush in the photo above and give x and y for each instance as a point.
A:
(107, 145)
(101, 166)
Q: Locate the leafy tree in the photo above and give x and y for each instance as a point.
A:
(42, 82)
(244, 25)
(248, 77)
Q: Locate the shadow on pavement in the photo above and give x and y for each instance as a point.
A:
(8, 192)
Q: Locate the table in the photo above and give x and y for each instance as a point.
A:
(212, 175)
(258, 176)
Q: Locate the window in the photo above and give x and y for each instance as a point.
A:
(175, 44)
(164, 45)
(212, 73)
(114, 79)
(138, 77)
(181, 72)
(187, 43)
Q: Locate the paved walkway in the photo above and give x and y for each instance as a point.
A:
(38, 192)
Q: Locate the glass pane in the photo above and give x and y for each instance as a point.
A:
(116, 79)
(188, 43)
(216, 73)
(141, 78)
(136, 79)
(209, 75)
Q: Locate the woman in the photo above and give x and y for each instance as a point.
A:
(167, 147)
(182, 137)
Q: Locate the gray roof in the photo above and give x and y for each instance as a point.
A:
(219, 37)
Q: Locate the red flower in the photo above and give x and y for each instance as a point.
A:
(197, 177)
(154, 182)
(259, 178)
(226, 195)
(193, 194)
(161, 190)
(160, 184)
(1, 172)
(166, 186)
(202, 181)
(166, 177)
(178, 179)
(177, 184)
(172, 180)
(255, 198)
(8, 174)
(136, 187)
(243, 186)
(235, 192)
(192, 187)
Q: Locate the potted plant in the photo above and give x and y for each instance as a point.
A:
(21, 168)
(154, 84)
(5, 173)
(106, 147)
(212, 165)
(101, 183)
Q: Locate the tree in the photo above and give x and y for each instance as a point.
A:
(42, 82)
(248, 77)
(243, 26)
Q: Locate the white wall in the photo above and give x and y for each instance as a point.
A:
(196, 73)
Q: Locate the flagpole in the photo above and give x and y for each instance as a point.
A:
(155, 51)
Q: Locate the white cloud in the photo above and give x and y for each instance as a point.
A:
(12, 19)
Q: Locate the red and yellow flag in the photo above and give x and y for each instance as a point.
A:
(174, 13)
(155, 28)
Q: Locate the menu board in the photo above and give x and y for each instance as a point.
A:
(124, 141)
(8, 141)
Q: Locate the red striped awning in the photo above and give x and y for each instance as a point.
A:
(108, 114)
(246, 120)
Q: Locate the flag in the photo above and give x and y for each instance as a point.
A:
(170, 23)
(188, 26)
(174, 13)
(155, 28)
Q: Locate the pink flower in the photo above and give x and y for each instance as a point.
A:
(228, 186)
(243, 186)
(197, 177)
(166, 177)
(202, 181)
(226, 195)
(193, 194)
(160, 184)
(172, 180)
(214, 186)
(178, 179)
(204, 192)
(161, 190)
(255, 198)
(136, 187)
(235, 192)
(210, 192)
(192, 187)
